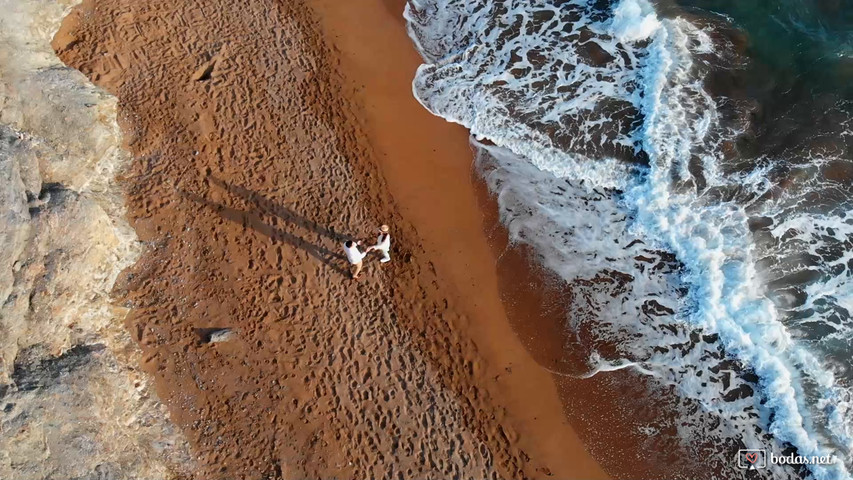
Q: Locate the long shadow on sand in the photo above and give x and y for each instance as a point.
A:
(256, 223)
(265, 205)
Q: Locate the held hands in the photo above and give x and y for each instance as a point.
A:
(369, 249)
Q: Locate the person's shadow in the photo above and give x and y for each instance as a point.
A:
(269, 207)
(252, 220)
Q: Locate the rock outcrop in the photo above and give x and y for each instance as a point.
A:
(73, 402)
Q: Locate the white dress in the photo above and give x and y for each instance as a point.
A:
(384, 246)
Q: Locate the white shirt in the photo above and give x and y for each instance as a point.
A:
(354, 255)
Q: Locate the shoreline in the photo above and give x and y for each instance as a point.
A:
(442, 195)
(516, 308)
(249, 167)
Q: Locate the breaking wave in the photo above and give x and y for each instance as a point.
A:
(715, 265)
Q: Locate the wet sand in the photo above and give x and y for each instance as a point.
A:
(261, 139)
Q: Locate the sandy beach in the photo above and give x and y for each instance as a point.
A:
(263, 135)
(620, 239)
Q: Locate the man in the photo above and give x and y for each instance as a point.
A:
(383, 244)
(355, 257)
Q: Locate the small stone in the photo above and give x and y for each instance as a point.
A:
(222, 335)
(203, 72)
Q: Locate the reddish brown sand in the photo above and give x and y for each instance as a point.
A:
(517, 310)
(254, 157)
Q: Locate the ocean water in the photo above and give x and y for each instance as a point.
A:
(686, 167)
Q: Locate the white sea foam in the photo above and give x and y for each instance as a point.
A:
(634, 20)
(558, 88)
(714, 243)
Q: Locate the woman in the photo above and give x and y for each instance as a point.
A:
(383, 244)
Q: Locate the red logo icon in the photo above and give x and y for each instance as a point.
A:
(751, 459)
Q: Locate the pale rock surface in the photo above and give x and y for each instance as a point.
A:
(73, 401)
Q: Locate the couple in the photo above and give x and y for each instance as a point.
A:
(356, 256)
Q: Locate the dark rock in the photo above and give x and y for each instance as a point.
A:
(33, 369)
